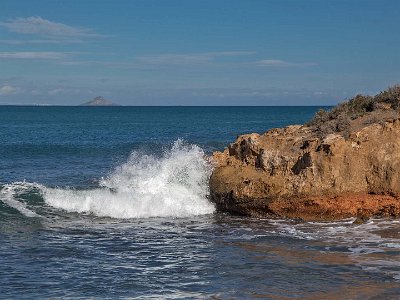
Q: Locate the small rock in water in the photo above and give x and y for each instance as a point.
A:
(361, 219)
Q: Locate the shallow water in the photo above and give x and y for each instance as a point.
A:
(95, 208)
(73, 255)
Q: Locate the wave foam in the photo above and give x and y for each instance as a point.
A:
(9, 192)
(175, 185)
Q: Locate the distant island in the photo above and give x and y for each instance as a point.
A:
(99, 101)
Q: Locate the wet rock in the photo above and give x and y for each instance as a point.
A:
(361, 219)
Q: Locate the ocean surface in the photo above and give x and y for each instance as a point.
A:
(111, 202)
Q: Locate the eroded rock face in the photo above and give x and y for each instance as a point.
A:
(291, 172)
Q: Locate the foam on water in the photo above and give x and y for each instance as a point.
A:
(175, 185)
(364, 243)
(9, 193)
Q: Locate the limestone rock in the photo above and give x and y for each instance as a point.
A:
(293, 172)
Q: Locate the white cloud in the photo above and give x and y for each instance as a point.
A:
(74, 63)
(59, 91)
(188, 59)
(41, 41)
(36, 92)
(42, 27)
(33, 55)
(280, 63)
(273, 63)
(8, 90)
(212, 58)
(56, 91)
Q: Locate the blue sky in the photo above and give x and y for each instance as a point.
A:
(167, 52)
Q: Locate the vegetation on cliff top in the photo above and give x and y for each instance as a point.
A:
(357, 112)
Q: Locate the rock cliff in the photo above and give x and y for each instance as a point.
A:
(303, 172)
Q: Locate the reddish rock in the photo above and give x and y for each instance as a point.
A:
(295, 172)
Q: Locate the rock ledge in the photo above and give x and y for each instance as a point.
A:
(297, 172)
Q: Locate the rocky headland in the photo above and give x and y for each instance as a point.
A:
(343, 163)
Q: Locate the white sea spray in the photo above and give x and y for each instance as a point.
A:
(9, 193)
(174, 185)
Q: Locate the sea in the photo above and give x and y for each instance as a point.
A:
(113, 203)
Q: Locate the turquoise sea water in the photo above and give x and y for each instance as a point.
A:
(111, 202)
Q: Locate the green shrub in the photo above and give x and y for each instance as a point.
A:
(390, 96)
(338, 119)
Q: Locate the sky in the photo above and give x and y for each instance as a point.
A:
(197, 52)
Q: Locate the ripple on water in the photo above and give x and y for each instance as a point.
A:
(63, 254)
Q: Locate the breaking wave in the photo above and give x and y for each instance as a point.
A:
(10, 193)
(173, 185)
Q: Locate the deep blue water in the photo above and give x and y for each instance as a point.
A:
(73, 145)
(111, 202)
